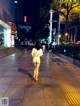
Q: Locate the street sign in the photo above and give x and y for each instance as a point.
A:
(24, 27)
(27, 28)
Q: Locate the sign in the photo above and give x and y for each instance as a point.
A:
(25, 19)
(27, 28)
(4, 101)
(24, 27)
(13, 28)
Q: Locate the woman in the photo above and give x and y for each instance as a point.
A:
(37, 52)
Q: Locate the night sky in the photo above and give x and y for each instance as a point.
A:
(31, 9)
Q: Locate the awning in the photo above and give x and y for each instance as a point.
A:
(3, 24)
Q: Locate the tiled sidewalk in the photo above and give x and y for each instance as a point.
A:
(58, 85)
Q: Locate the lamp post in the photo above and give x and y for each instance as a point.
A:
(15, 2)
(66, 37)
(59, 25)
(50, 28)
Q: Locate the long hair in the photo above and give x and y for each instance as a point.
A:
(38, 46)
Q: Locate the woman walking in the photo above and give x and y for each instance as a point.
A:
(36, 53)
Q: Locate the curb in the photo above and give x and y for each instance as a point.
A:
(71, 60)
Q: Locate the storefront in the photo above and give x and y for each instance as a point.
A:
(6, 39)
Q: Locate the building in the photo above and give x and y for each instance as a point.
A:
(6, 16)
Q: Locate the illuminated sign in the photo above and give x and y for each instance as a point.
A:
(25, 19)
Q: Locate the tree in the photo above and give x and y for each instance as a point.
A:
(75, 16)
(66, 8)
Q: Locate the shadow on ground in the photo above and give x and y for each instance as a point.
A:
(21, 70)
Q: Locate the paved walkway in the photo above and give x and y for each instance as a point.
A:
(58, 85)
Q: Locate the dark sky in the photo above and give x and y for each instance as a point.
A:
(31, 8)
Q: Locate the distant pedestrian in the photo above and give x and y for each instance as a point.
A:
(50, 47)
(44, 48)
(36, 53)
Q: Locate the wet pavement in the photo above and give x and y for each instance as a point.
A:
(58, 85)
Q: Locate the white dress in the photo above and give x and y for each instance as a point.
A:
(36, 55)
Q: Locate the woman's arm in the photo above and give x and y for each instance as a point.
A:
(41, 52)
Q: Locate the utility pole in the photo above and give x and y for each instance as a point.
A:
(50, 28)
(59, 26)
(16, 3)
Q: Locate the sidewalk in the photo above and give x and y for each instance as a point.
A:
(58, 85)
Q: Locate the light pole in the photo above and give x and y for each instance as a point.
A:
(15, 2)
(59, 25)
(50, 28)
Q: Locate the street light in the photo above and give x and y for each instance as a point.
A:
(59, 23)
(51, 16)
(59, 36)
(66, 37)
(15, 2)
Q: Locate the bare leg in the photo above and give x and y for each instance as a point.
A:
(37, 71)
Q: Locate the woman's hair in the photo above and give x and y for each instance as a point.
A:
(38, 46)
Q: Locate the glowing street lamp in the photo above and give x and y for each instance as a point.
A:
(59, 36)
(66, 36)
(15, 1)
(51, 16)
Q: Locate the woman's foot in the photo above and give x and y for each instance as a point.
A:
(33, 78)
(36, 79)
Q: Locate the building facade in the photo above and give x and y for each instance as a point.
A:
(6, 16)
